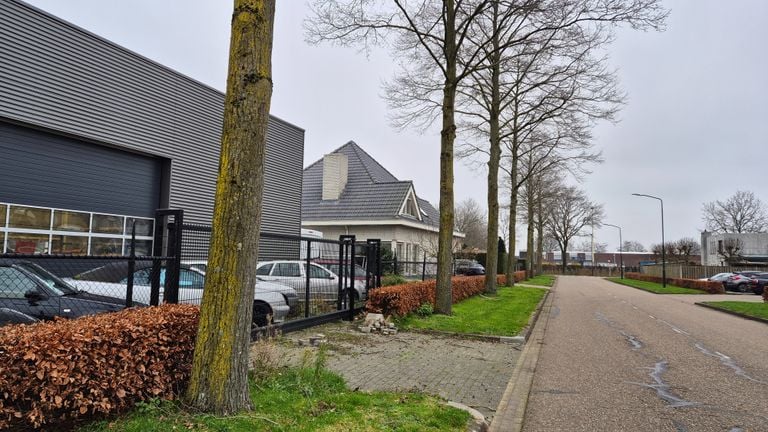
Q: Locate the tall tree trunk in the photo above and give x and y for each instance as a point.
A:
(511, 258)
(540, 236)
(492, 244)
(529, 229)
(564, 257)
(444, 294)
(219, 380)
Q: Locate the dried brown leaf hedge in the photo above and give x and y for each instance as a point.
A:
(405, 298)
(706, 286)
(66, 370)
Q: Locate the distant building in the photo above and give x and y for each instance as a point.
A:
(752, 248)
(607, 259)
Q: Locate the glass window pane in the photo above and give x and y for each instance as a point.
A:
(3, 210)
(72, 245)
(71, 221)
(143, 226)
(104, 224)
(106, 246)
(27, 243)
(30, 218)
(14, 283)
(264, 270)
(287, 269)
(143, 247)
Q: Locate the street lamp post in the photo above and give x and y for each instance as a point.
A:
(621, 251)
(663, 248)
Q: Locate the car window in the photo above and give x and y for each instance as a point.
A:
(202, 267)
(287, 269)
(191, 279)
(264, 270)
(317, 272)
(14, 283)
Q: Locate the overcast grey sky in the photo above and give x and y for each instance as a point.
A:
(694, 130)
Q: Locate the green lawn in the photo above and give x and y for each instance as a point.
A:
(655, 287)
(541, 280)
(758, 310)
(302, 400)
(502, 315)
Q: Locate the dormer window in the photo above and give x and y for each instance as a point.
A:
(410, 206)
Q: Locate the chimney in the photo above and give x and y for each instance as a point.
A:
(334, 175)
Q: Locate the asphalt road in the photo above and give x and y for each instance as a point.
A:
(615, 358)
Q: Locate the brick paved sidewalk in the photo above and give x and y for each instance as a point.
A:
(472, 372)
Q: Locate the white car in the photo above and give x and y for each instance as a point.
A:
(323, 283)
(270, 304)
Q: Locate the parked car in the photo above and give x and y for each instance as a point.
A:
(468, 267)
(269, 300)
(323, 283)
(720, 277)
(757, 283)
(333, 266)
(28, 292)
(739, 281)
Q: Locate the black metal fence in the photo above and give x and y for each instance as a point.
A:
(301, 281)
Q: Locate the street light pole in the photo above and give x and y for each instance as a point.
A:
(621, 251)
(663, 247)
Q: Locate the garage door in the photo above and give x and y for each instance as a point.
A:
(42, 169)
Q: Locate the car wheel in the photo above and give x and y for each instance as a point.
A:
(262, 314)
(742, 287)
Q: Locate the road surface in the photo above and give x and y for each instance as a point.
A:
(615, 358)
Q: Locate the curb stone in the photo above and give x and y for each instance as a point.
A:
(477, 423)
(510, 412)
(734, 313)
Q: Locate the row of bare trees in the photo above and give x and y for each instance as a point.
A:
(527, 79)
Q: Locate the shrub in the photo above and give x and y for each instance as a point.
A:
(706, 286)
(425, 310)
(406, 298)
(765, 295)
(61, 371)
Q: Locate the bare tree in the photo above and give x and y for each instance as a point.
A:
(219, 379)
(633, 246)
(687, 247)
(585, 245)
(429, 39)
(741, 213)
(731, 250)
(471, 220)
(570, 213)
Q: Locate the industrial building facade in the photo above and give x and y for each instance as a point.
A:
(95, 137)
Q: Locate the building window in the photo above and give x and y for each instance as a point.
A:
(40, 230)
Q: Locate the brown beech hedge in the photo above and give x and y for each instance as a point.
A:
(66, 370)
(405, 298)
(706, 286)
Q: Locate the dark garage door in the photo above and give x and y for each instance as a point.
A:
(47, 170)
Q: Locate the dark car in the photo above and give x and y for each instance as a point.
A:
(468, 268)
(10, 316)
(31, 290)
(757, 283)
(739, 281)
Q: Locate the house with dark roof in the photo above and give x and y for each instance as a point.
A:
(349, 192)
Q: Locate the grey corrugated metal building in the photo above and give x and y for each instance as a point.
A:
(93, 135)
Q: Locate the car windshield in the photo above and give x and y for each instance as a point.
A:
(53, 282)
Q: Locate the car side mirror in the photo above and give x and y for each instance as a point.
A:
(34, 295)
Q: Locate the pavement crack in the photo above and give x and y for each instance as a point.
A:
(727, 361)
(663, 390)
(633, 340)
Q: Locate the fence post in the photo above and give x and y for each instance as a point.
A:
(351, 291)
(131, 268)
(394, 265)
(306, 285)
(424, 268)
(342, 256)
(173, 272)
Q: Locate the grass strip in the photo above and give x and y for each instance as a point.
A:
(301, 399)
(751, 309)
(541, 280)
(504, 314)
(655, 287)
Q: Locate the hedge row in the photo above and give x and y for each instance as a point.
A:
(406, 298)
(706, 286)
(65, 370)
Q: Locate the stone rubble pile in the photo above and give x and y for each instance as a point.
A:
(376, 323)
(314, 341)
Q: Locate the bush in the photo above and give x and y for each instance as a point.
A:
(406, 298)
(765, 295)
(61, 371)
(425, 310)
(706, 286)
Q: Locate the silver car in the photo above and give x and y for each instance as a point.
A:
(323, 283)
(270, 304)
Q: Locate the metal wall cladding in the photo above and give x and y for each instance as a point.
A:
(59, 77)
(46, 170)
